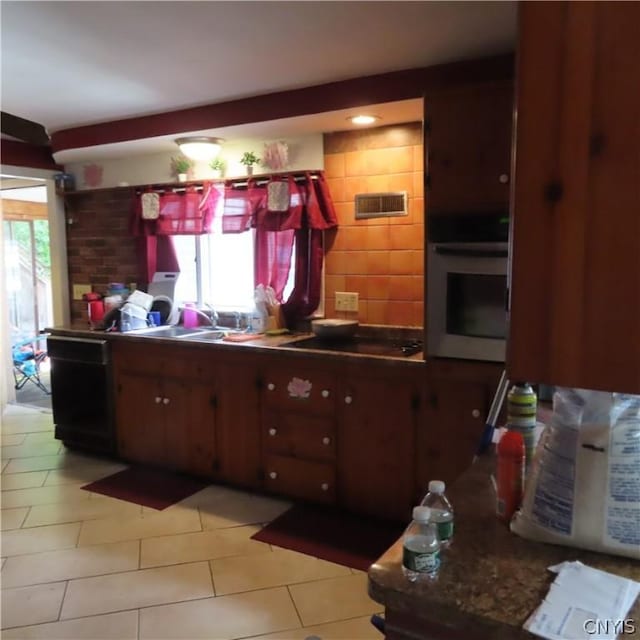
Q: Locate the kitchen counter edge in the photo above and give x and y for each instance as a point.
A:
(261, 344)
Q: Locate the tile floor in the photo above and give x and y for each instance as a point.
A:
(77, 565)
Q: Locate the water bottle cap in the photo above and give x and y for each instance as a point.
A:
(421, 514)
(436, 486)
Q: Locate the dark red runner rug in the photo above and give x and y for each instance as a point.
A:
(353, 541)
(148, 487)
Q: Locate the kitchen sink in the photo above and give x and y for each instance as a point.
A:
(205, 334)
(170, 331)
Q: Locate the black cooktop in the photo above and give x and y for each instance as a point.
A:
(364, 346)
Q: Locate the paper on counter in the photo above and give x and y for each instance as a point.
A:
(580, 598)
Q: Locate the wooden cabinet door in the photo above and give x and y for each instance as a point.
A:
(140, 419)
(450, 433)
(238, 422)
(468, 149)
(376, 445)
(575, 272)
(190, 423)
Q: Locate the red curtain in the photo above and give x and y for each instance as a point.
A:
(181, 213)
(310, 212)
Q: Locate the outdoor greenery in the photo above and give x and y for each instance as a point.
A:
(19, 232)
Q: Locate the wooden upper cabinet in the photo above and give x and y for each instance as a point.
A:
(575, 272)
(468, 149)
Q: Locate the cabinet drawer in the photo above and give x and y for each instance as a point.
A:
(301, 389)
(161, 361)
(298, 435)
(300, 478)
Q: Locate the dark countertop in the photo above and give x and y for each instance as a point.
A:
(262, 343)
(490, 580)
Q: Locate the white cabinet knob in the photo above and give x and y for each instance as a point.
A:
(504, 178)
(273, 475)
(271, 386)
(348, 399)
(272, 432)
(325, 393)
(475, 413)
(165, 400)
(324, 486)
(157, 399)
(326, 440)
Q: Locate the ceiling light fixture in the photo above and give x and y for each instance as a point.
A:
(200, 147)
(363, 119)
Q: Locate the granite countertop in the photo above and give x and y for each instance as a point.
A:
(261, 343)
(490, 580)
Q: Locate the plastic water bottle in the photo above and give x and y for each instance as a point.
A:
(421, 547)
(441, 511)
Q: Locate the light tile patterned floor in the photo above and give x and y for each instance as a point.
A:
(77, 565)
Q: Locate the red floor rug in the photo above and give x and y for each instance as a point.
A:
(148, 487)
(345, 539)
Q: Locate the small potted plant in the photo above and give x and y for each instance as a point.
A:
(248, 160)
(218, 166)
(180, 166)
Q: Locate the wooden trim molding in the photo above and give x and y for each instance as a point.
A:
(23, 129)
(22, 154)
(24, 210)
(387, 87)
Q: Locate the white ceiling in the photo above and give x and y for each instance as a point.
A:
(67, 64)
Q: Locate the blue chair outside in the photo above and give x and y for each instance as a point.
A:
(27, 356)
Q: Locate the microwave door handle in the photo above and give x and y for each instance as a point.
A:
(472, 253)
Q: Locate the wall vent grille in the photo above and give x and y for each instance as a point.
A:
(381, 205)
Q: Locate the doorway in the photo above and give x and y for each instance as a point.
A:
(27, 283)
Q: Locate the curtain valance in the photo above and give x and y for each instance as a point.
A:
(278, 203)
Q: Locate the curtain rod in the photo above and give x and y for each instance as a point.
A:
(298, 176)
(198, 185)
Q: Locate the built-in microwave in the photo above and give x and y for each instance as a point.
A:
(467, 287)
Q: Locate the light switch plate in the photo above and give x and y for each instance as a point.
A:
(79, 290)
(346, 301)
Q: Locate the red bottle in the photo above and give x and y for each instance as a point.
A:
(509, 474)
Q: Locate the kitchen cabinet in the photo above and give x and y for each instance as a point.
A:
(575, 266)
(380, 409)
(238, 421)
(298, 430)
(457, 402)
(468, 148)
(165, 408)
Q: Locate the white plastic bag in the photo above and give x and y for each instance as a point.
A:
(584, 488)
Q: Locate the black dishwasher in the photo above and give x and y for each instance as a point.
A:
(82, 393)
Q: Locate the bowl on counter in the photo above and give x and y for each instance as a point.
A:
(334, 328)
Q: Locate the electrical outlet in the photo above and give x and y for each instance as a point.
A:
(79, 290)
(346, 301)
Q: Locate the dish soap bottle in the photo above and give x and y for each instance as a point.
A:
(441, 511)
(421, 547)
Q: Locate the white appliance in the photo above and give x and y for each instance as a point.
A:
(163, 283)
(467, 265)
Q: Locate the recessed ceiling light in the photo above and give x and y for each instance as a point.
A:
(363, 119)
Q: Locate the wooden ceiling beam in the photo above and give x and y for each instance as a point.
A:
(23, 129)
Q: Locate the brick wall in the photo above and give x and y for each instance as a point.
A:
(100, 247)
(380, 258)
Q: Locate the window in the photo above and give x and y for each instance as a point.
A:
(218, 269)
